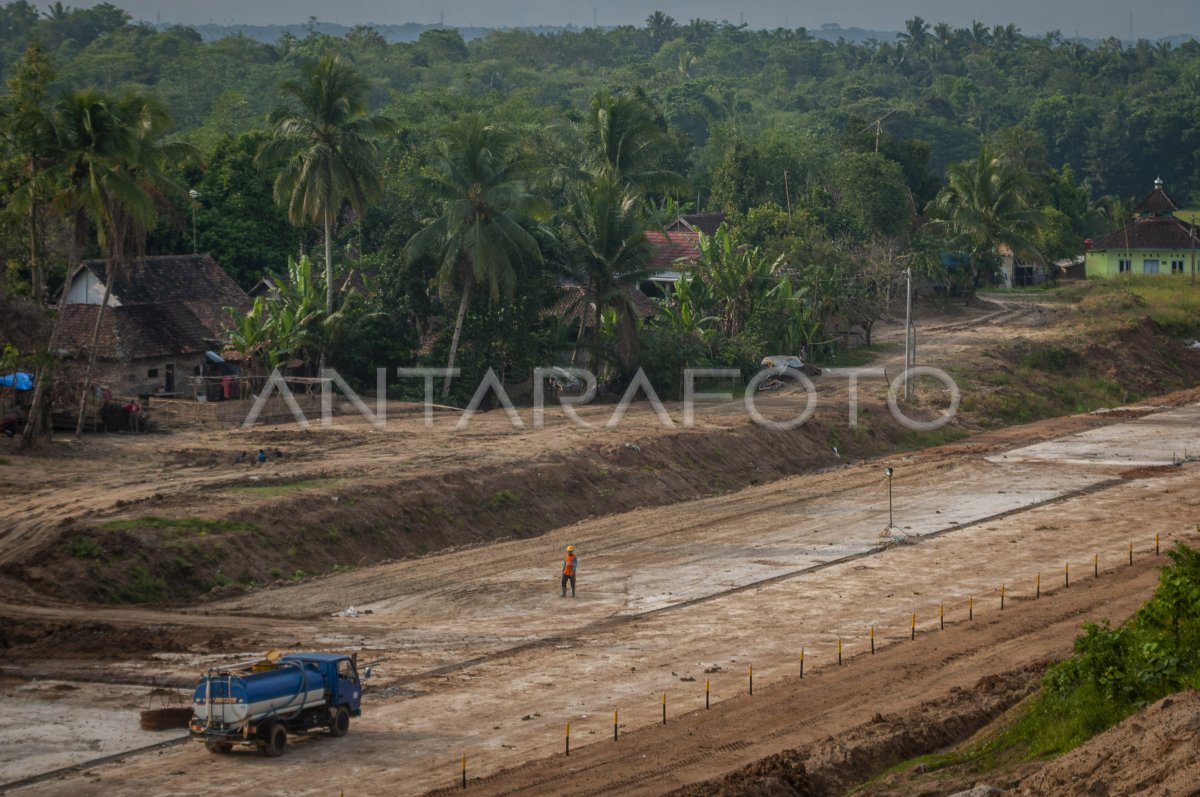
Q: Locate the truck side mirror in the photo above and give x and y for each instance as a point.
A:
(367, 673)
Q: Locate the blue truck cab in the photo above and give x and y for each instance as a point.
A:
(258, 703)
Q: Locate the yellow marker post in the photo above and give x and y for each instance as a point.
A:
(1067, 574)
(568, 738)
(970, 607)
(464, 770)
(1095, 565)
(706, 693)
(616, 725)
(872, 640)
(751, 679)
(839, 652)
(801, 662)
(1039, 585)
(1156, 543)
(942, 616)
(1001, 597)
(914, 626)
(664, 708)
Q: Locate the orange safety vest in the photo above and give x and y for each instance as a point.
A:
(569, 565)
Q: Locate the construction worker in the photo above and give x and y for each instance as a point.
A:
(570, 567)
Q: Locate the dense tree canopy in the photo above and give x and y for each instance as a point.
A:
(830, 160)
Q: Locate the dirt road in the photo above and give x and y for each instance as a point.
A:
(479, 654)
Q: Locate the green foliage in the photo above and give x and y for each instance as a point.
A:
(275, 490)
(502, 499)
(140, 586)
(86, 548)
(1054, 358)
(1115, 671)
(823, 153)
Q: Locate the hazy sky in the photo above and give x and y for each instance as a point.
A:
(1092, 18)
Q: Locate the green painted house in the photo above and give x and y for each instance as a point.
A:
(1157, 241)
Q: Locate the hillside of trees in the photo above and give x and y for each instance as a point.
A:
(467, 179)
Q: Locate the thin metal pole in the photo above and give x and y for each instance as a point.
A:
(910, 354)
(890, 523)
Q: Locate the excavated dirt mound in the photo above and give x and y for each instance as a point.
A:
(95, 639)
(1156, 751)
(838, 763)
(362, 521)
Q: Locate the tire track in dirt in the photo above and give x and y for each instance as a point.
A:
(612, 623)
(831, 702)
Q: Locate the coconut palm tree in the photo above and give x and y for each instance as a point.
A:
(986, 203)
(114, 159)
(91, 135)
(482, 204)
(604, 234)
(626, 143)
(916, 38)
(325, 140)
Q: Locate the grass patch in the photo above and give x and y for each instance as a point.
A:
(1053, 358)
(179, 527)
(274, 490)
(142, 586)
(938, 437)
(86, 548)
(1168, 301)
(503, 499)
(3, 460)
(857, 356)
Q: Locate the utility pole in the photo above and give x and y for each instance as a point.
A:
(1192, 235)
(787, 196)
(910, 337)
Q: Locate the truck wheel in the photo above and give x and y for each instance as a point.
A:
(276, 741)
(339, 724)
(218, 748)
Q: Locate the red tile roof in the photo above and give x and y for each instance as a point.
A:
(670, 247)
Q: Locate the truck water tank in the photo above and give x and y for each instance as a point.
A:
(228, 700)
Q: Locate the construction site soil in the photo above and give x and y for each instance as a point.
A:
(704, 552)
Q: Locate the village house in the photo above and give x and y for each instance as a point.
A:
(1160, 240)
(676, 241)
(165, 321)
(1015, 272)
(679, 240)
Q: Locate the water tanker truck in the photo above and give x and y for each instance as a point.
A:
(258, 703)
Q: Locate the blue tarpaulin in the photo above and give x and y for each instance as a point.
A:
(20, 380)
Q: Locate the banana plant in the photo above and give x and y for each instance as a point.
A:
(738, 277)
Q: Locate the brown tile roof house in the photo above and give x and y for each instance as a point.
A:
(164, 313)
(706, 223)
(670, 247)
(1154, 228)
